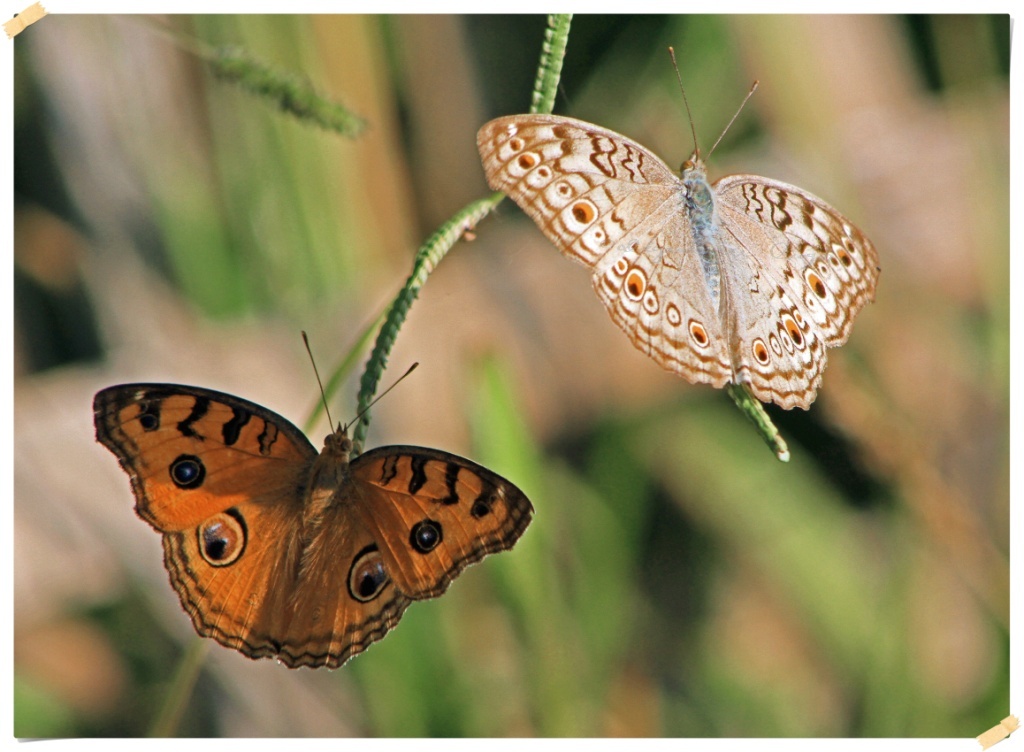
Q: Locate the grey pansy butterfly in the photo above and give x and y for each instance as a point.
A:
(746, 280)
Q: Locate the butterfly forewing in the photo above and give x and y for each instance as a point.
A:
(187, 450)
(587, 188)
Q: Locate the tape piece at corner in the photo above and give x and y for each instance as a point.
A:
(23, 20)
(997, 733)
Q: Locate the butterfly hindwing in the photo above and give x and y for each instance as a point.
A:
(441, 513)
(644, 294)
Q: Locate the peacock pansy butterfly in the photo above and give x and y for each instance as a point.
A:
(277, 550)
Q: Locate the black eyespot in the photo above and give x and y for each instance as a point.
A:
(222, 538)
(483, 503)
(149, 415)
(367, 576)
(214, 545)
(188, 471)
(425, 535)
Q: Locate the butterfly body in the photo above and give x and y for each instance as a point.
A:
(700, 210)
(277, 550)
(746, 280)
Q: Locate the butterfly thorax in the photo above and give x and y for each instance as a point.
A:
(326, 479)
(326, 489)
(700, 210)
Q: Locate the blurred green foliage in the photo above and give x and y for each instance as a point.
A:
(676, 581)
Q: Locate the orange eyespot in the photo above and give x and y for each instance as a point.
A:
(817, 285)
(526, 161)
(635, 284)
(367, 576)
(583, 212)
(516, 144)
(222, 538)
(794, 331)
(699, 333)
(761, 352)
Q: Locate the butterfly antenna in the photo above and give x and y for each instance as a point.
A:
(750, 93)
(380, 396)
(323, 395)
(679, 78)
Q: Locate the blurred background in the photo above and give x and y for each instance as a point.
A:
(677, 579)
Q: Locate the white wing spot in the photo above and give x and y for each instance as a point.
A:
(784, 337)
(672, 314)
(651, 302)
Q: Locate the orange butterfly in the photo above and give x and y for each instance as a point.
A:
(279, 551)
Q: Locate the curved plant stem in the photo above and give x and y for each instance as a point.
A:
(434, 249)
(427, 258)
(300, 100)
(549, 70)
(754, 410)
